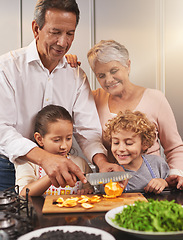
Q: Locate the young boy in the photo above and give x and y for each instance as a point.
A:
(130, 135)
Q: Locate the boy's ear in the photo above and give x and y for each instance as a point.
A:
(39, 139)
(144, 147)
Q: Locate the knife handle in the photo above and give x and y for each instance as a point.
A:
(77, 179)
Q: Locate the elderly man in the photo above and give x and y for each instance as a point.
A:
(38, 75)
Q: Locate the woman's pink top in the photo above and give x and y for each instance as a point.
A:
(154, 104)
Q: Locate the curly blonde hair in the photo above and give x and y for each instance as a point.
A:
(136, 122)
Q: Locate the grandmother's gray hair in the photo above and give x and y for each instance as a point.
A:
(106, 51)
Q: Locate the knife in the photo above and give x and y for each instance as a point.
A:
(105, 177)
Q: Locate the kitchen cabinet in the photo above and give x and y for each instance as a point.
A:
(152, 31)
(10, 26)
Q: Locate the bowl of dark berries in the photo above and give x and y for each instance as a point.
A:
(68, 232)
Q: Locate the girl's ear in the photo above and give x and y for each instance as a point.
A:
(39, 139)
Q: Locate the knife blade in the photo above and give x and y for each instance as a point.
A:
(105, 177)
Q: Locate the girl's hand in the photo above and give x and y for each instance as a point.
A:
(85, 191)
(156, 185)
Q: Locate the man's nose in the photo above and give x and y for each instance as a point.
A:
(62, 40)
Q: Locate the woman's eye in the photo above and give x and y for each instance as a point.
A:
(129, 143)
(113, 71)
(101, 76)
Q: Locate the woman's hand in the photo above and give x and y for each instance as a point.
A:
(156, 185)
(72, 60)
(175, 181)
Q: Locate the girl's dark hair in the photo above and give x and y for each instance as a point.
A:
(43, 5)
(50, 114)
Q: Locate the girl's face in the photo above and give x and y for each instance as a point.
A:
(58, 139)
(112, 76)
(127, 148)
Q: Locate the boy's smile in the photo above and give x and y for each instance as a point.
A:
(127, 149)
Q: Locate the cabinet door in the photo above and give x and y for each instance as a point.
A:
(10, 25)
(134, 24)
(174, 58)
(27, 17)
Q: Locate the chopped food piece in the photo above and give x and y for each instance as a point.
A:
(69, 203)
(75, 198)
(87, 205)
(83, 200)
(95, 199)
(107, 196)
(84, 196)
(60, 200)
(60, 204)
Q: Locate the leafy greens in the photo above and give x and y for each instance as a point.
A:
(152, 216)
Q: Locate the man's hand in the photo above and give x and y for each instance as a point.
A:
(61, 171)
(175, 181)
(156, 185)
(104, 166)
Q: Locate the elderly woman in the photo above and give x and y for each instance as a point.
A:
(110, 62)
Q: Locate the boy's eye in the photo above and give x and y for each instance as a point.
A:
(56, 140)
(116, 143)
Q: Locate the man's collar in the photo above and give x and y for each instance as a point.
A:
(33, 55)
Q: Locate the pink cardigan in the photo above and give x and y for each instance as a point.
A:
(156, 107)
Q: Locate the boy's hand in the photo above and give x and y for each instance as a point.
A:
(156, 185)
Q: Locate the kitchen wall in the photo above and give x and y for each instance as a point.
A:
(151, 30)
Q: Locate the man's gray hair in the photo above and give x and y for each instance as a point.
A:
(43, 5)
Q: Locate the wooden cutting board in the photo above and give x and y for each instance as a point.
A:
(103, 206)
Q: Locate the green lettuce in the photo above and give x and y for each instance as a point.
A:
(152, 216)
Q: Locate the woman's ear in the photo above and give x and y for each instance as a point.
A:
(129, 66)
(39, 139)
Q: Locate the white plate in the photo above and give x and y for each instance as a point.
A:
(140, 234)
(69, 228)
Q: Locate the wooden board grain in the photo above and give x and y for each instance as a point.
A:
(102, 206)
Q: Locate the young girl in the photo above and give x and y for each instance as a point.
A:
(53, 132)
(130, 135)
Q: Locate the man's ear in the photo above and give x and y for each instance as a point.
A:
(39, 139)
(35, 29)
